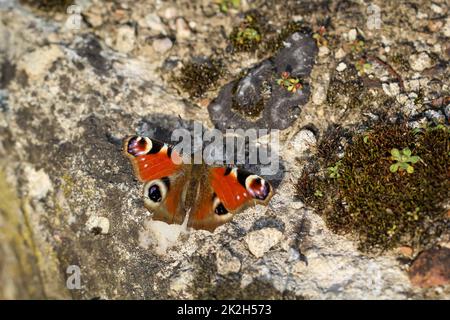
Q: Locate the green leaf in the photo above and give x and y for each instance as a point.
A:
(417, 131)
(414, 159)
(395, 153)
(410, 169)
(318, 193)
(404, 165)
(236, 3)
(406, 152)
(394, 167)
(366, 139)
(223, 7)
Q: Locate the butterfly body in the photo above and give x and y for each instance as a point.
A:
(210, 195)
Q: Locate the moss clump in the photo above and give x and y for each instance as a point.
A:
(253, 109)
(48, 5)
(314, 187)
(275, 43)
(385, 209)
(197, 77)
(348, 90)
(248, 36)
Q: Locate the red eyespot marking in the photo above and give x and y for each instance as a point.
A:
(228, 189)
(259, 188)
(138, 146)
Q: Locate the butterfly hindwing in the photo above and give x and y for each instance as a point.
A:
(230, 191)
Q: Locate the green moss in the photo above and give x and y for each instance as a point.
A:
(347, 91)
(384, 209)
(225, 5)
(400, 61)
(311, 188)
(49, 5)
(254, 110)
(198, 77)
(275, 43)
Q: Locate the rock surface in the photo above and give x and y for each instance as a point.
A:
(431, 268)
(68, 197)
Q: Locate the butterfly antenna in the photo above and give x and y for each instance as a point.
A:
(181, 121)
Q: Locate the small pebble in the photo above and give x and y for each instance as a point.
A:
(154, 22)
(420, 62)
(259, 242)
(125, 39)
(182, 28)
(340, 54)
(341, 67)
(352, 34)
(162, 45)
(98, 224)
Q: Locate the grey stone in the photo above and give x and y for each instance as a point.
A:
(280, 107)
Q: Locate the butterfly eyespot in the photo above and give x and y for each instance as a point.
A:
(138, 146)
(219, 208)
(155, 191)
(257, 187)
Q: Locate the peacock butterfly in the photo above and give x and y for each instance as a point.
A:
(210, 195)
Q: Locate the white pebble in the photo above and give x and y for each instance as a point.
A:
(341, 67)
(162, 45)
(259, 242)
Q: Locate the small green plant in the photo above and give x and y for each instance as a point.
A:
(226, 5)
(366, 138)
(414, 215)
(333, 172)
(357, 46)
(248, 36)
(404, 160)
(318, 193)
(291, 84)
(319, 36)
(363, 66)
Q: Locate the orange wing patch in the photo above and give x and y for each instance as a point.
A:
(228, 189)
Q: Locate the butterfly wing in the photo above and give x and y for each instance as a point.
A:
(229, 191)
(161, 169)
